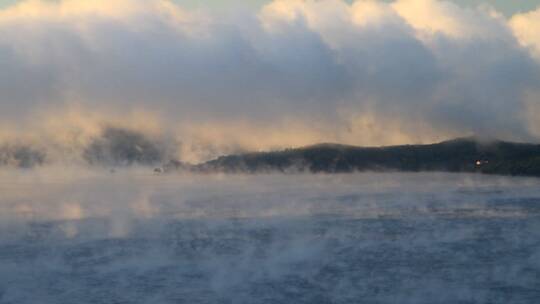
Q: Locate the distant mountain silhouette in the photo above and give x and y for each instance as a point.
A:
(120, 148)
(457, 155)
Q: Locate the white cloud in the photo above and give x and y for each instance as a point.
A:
(526, 27)
(294, 73)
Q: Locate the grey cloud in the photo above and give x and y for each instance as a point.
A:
(218, 72)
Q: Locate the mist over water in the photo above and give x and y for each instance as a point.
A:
(69, 235)
(109, 107)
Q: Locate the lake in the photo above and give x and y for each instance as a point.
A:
(74, 235)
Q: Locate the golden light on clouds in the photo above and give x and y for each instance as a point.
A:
(294, 73)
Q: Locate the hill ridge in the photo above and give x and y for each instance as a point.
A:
(465, 154)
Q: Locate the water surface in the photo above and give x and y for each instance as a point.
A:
(75, 236)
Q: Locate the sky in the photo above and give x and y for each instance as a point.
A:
(507, 7)
(278, 74)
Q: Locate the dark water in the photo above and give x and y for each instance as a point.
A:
(380, 238)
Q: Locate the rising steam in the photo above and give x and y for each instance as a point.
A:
(290, 74)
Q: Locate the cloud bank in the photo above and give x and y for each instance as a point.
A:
(294, 73)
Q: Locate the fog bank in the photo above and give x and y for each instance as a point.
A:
(293, 73)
